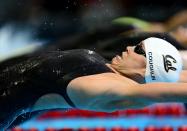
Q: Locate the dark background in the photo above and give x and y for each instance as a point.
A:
(58, 18)
(69, 24)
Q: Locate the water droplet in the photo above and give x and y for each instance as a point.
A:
(58, 72)
(60, 56)
(15, 83)
(90, 52)
(23, 70)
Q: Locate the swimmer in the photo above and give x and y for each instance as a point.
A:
(150, 72)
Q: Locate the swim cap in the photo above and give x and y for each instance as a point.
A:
(163, 61)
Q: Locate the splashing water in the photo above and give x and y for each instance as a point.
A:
(15, 42)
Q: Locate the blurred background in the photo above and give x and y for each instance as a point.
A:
(106, 27)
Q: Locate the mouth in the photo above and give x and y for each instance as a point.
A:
(124, 54)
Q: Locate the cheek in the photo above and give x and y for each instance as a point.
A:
(138, 61)
(141, 61)
(129, 63)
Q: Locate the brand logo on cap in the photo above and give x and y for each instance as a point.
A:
(151, 66)
(168, 60)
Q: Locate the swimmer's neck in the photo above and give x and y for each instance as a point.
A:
(114, 70)
(139, 77)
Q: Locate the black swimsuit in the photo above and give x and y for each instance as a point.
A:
(23, 82)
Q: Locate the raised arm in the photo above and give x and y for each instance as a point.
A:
(110, 92)
(161, 92)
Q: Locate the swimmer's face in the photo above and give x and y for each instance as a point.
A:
(133, 58)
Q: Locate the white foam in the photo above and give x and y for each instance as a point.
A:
(15, 42)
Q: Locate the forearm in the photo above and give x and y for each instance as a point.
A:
(141, 95)
(162, 92)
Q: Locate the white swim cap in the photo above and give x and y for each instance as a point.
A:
(164, 62)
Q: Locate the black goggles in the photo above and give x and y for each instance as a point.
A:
(139, 50)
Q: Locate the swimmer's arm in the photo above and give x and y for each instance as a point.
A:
(101, 92)
(183, 76)
(143, 95)
(161, 92)
(107, 93)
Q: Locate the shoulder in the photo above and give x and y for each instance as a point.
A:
(88, 89)
(97, 82)
(102, 79)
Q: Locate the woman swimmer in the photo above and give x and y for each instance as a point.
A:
(147, 73)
